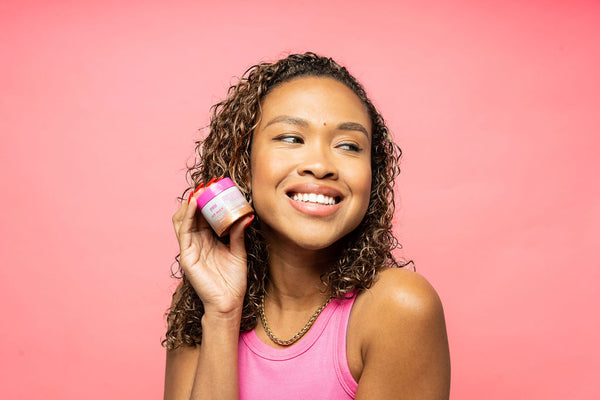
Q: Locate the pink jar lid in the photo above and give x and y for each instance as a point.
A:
(213, 190)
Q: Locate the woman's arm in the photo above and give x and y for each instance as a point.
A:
(180, 372)
(405, 349)
(218, 274)
(209, 370)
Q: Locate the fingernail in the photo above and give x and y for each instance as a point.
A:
(190, 198)
(213, 180)
(220, 179)
(249, 222)
(200, 186)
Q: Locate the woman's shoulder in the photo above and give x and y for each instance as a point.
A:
(400, 302)
(399, 316)
(399, 290)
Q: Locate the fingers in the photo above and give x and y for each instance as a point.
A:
(184, 211)
(197, 192)
(191, 220)
(237, 245)
(178, 216)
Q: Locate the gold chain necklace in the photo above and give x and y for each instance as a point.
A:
(298, 335)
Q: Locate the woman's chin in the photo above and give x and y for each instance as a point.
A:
(310, 238)
(314, 241)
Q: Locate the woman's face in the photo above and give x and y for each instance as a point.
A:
(311, 162)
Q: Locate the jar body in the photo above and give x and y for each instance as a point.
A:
(222, 204)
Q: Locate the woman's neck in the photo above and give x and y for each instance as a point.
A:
(295, 275)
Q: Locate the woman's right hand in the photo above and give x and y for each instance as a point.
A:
(217, 271)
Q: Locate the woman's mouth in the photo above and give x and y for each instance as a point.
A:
(316, 198)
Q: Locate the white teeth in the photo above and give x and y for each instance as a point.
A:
(314, 198)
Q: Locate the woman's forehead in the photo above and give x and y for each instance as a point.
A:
(316, 100)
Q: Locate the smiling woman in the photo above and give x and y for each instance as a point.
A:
(310, 152)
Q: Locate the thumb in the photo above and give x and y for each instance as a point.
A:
(237, 244)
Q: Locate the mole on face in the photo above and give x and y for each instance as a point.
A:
(324, 123)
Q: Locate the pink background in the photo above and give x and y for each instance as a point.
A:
(496, 105)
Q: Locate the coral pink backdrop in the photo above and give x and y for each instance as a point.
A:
(496, 105)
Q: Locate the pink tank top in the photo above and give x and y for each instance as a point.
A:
(315, 367)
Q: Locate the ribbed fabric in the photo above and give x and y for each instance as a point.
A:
(315, 367)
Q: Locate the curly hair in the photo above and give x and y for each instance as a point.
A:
(226, 152)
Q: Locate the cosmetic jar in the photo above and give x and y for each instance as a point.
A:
(222, 204)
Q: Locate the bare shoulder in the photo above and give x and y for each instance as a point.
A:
(400, 291)
(399, 302)
(403, 338)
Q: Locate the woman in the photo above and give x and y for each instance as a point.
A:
(304, 299)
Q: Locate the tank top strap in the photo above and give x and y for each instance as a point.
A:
(340, 332)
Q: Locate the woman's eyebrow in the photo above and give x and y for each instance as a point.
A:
(353, 126)
(288, 120)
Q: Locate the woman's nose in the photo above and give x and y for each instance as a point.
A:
(318, 162)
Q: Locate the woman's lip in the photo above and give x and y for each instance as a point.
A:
(316, 189)
(314, 209)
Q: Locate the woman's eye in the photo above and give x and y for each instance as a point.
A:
(350, 147)
(293, 139)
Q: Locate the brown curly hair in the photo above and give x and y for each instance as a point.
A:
(226, 152)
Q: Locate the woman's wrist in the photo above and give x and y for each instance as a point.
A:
(217, 319)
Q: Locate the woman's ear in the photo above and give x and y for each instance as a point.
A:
(249, 187)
